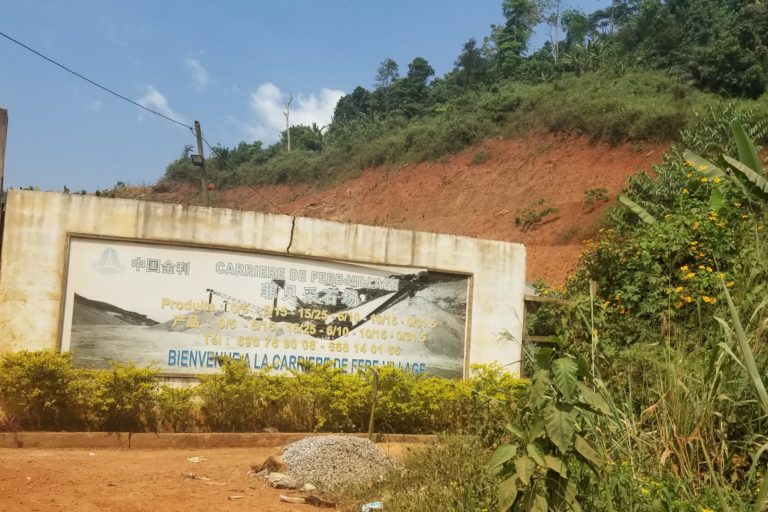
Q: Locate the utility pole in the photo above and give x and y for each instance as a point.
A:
(203, 174)
(287, 115)
(3, 136)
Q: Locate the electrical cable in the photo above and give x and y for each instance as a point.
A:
(250, 185)
(110, 91)
(124, 98)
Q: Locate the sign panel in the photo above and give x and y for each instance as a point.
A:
(179, 308)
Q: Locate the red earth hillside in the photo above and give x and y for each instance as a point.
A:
(479, 192)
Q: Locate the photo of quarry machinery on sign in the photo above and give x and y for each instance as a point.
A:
(178, 308)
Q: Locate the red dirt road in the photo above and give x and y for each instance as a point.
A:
(137, 480)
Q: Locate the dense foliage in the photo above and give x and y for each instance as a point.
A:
(633, 70)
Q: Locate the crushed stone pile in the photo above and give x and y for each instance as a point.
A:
(335, 461)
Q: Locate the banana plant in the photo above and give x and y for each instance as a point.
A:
(637, 209)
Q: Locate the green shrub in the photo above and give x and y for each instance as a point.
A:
(127, 398)
(232, 400)
(176, 408)
(329, 400)
(36, 390)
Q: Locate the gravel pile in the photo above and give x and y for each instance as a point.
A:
(335, 461)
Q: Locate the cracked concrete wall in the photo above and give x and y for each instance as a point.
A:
(38, 224)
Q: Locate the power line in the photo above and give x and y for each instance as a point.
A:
(110, 91)
(265, 198)
(245, 182)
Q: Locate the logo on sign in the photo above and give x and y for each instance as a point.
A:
(108, 262)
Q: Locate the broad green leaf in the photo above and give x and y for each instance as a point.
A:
(637, 209)
(593, 399)
(543, 358)
(702, 165)
(587, 450)
(570, 496)
(514, 429)
(755, 183)
(565, 371)
(502, 454)
(537, 430)
(539, 388)
(534, 451)
(560, 423)
(534, 502)
(556, 464)
(584, 369)
(715, 199)
(747, 150)
(525, 468)
(507, 493)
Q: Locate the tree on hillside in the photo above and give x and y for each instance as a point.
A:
(309, 138)
(511, 39)
(352, 105)
(387, 73)
(609, 19)
(410, 95)
(721, 44)
(577, 26)
(419, 71)
(471, 66)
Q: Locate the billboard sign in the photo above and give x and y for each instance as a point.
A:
(178, 308)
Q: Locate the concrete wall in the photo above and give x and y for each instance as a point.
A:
(38, 224)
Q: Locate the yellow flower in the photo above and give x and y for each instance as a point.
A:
(684, 268)
(702, 167)
(729, 284)
(678, 305)
(689, 275)
(705, 509)
(737, 205)
(678, 289)
(709, 300)
(687, 298)
(704, 180)
(689, 163)
(716, 180)
(721, 275)
(690, 174)
(712, 215)
(685, 191)
(744, 216)
(695, 225)
(701, 267)
(708, 269)
(645, 491)
(694, 243)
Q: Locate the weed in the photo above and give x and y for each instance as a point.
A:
(529, 218)
(480, 157)
(594, 197)
(567, 235)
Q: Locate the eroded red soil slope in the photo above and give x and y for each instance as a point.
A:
(458, 195)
